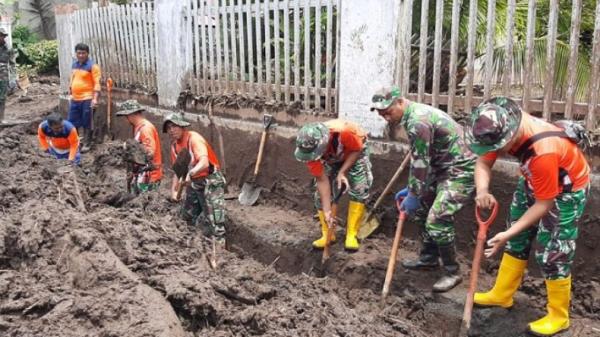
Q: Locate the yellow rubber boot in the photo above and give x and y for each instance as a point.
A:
(355, 214)
(557, 319)
(510, 275)
(320, 243)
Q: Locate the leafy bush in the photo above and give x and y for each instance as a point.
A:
(43, 55)
(22, 36)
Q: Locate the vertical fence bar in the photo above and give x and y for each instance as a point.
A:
(471, 54)
(95, 36)
(202, 21)
(286, 48)
(242, 47)
(423, 50)
(318, 64)
(153, 37)
(119, 17)
(550, 66)
(250, 37)
(143, 50)
(328, 66)
(338, 20)
(453, 54)
(400, 59)
(193, 49)
(147, 49)
(214, 12)
(116, 53)
(528, 69)
(277, 60)
(227, 71)
(114, 59)
(101, 38)
(138, 47)
(296, 50)
(268, 41)
(408, 44)
(209, 23)
(437, 52)
(489, 57)
(259, 49)
(573, 55)
(307, 78)
(590, 121)
(234, 58)
(510, 25)
(131, 45)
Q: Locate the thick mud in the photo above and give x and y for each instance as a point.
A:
(79, 257)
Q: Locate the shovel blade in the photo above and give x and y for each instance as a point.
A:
(249, 195)
(369, 224)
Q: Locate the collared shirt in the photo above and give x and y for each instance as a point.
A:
(85, 80)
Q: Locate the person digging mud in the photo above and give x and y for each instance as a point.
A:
(144, 177)
(59, 138)
(205, 182)
(8, 74)
(84, 90)
(336, 152)
(440, 180)
(547, 204)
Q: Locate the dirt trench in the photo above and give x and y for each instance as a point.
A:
(79, 257)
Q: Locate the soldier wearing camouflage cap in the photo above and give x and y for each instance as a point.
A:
(549, 200)
(8, 73)
(440, 180)
(143, 176)
(205, 183)
(336, 154)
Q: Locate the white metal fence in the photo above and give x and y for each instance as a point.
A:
(283, 50)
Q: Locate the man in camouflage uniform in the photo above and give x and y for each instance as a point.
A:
(205, 183)
(440, 180)
(7, 71)
(547, 204)
(336, 153)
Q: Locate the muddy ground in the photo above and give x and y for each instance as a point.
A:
(80, 258)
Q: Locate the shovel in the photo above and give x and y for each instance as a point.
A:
(369, 222)
(481, 236)
(250, 191)
(331, 229)
(394, 253)
(181, 168)
(109, 85)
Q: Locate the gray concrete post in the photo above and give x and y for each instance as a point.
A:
(367, 54)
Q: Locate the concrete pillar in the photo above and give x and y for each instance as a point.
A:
(67, 38)
(171, 50)
(367, 55)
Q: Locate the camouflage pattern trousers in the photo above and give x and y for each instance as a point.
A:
(439, 204)
(360, 177)
(206, 197)
(3, 93)
(555, 233)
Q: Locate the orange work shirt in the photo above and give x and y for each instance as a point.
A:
(85, 80)
(65, 141)
(542, 170)
(146, 134)
(198, 147)
(344, 137)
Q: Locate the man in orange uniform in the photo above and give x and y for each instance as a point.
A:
(336, 152)
(59, 138)
(205, 182)
(547, 204)
(144, 177)
(84, 89)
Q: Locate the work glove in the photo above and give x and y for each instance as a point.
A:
(410, 204)
(401, 194)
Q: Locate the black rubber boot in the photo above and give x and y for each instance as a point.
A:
(88, 140)
(2, 108)
(428, 258)
(451, 277)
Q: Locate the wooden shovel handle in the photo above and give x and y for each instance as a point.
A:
(388, 187)
(393, 255)
(263, 139)
(179, 189)
(109, 85)
(331, 229)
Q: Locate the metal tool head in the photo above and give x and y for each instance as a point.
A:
(268, 121)
(182, 163)
(250, 193)
(369, 223)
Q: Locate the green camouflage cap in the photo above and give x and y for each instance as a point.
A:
(384, 97)
(128, 107)
(493, 124)
(175, 118)
(3, 32)
(311, 142)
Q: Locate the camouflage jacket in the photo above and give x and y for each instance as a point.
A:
(7, 63)
(438, 149)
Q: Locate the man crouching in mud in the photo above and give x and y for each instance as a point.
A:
(440, 181)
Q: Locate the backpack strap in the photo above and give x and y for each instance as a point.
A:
(525, 151)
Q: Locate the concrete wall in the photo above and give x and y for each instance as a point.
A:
(367, 54)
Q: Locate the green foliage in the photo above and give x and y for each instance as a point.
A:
(22, 37)
(120, 2)
(43, 56)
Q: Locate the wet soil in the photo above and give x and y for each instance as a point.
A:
(80, 257)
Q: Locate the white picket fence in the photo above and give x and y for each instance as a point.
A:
(282, 50)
